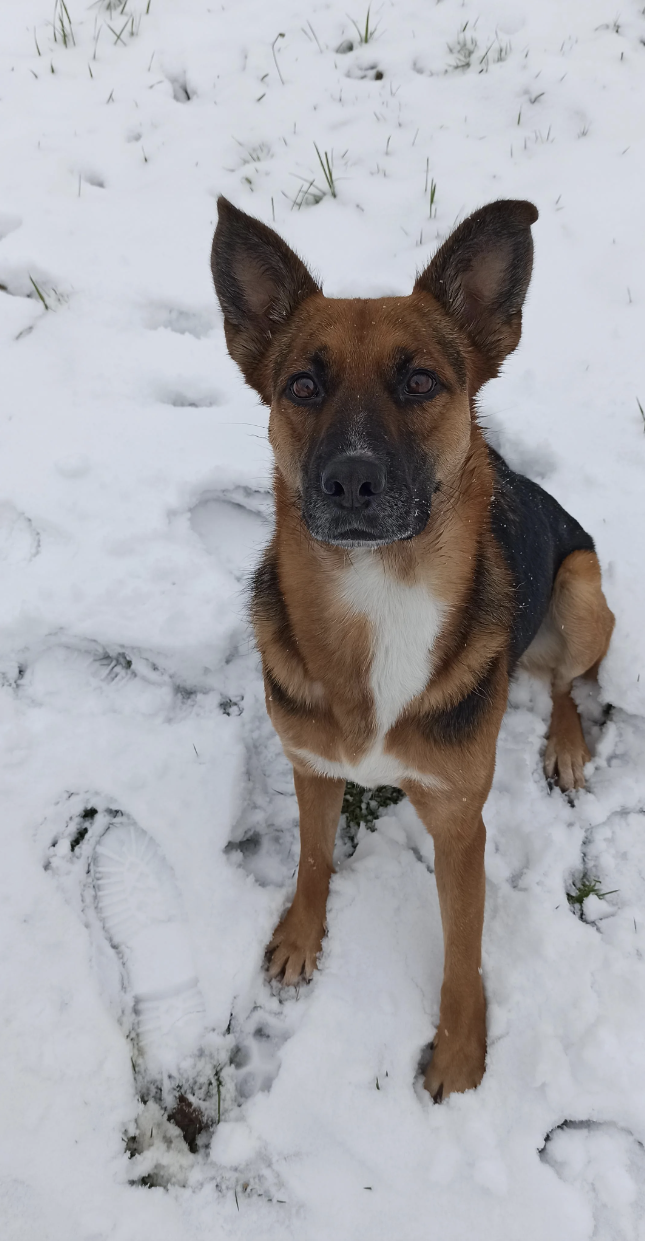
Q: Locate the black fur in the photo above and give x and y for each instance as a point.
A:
(535, 535)
(267, 601)
(458, 723)
(276, 693)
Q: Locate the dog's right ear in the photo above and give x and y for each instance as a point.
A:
(259, 282)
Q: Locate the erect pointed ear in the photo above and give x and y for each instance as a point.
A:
(259, 282)
(480, 276)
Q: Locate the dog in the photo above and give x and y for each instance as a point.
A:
(410, 569)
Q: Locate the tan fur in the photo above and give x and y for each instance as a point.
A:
(327, 668)
(318, 652)
(571, 642)
(298, 939)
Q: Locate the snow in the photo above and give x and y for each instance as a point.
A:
(134, 498)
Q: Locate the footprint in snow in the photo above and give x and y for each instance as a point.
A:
(188, 1077)
(119, 882)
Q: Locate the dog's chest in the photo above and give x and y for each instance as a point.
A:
(404, 624)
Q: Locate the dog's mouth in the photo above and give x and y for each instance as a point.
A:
(368, 529)
(358, 537)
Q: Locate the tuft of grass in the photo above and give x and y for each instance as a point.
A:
(118, 35)
(39, 293)
(642, 412)
(218, 1083)
(256, 154)
(62, 25)
(588, 885)
(313, 32)
(368, 30)
(326, 162)
(463, 49)
(231, 706)
(281, 35)
(115, 665)
(364, 806)
(433, 195)
(308, 194)
(466, 44)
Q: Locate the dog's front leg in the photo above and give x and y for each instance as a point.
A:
(297, 939)
(459, 835)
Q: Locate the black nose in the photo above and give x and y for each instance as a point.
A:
(353, 481)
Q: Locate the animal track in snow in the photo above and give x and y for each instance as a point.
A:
(33, 283)
(91, 177)
(181, 91)
(364, 72)
(180, 320)
(19, 539)
(265, 838)
(8, 223)
(256, 1054)
(199, 398)
(60, 674)
(607, 1162)
(231, 531)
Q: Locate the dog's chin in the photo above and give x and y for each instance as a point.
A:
(355, 536)
(356, 539)
(365, 529)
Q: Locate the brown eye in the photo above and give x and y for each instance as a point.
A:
(420, 383)
(303, 387)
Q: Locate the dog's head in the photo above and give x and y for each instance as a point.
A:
(371, 399)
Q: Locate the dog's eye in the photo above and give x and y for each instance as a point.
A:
(303, 387)
(420, 383)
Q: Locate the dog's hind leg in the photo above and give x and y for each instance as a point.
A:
(571, 642)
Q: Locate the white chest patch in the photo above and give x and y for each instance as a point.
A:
(405, 622)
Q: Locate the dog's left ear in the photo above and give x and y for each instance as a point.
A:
(259, 282)
(480, 276)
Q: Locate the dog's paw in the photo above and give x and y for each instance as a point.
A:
(292, 955)
(457, 1064)
(564, 760)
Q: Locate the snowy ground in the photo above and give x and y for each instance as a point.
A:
(134, 496)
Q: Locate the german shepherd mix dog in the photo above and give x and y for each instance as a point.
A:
(410, 570)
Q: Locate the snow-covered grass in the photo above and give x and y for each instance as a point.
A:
(135, 495)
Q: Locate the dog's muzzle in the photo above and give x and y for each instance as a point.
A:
(355, 500)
